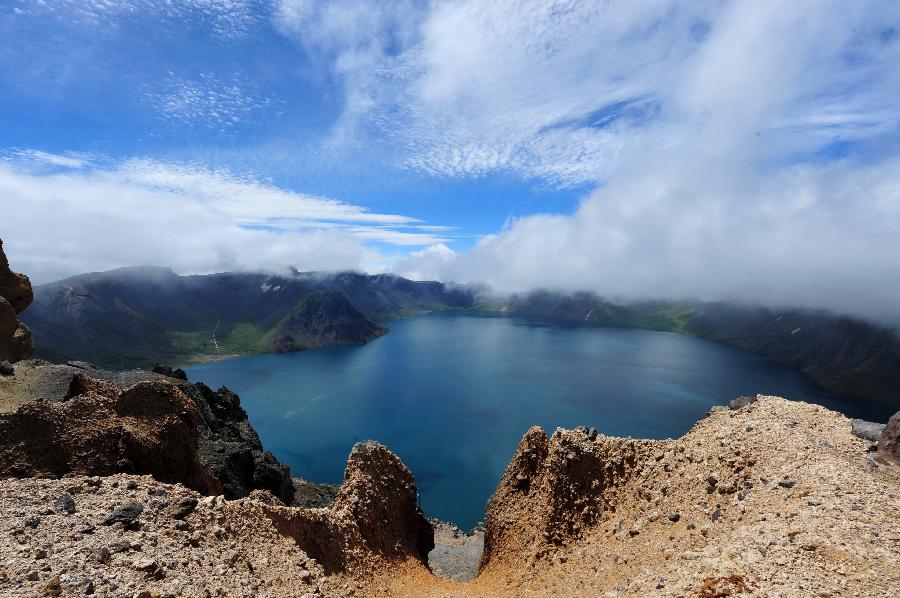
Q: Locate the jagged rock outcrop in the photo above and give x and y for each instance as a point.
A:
(374, 519)
(149, 428)
(126, 535)
(15, 296)
(230, 448)
(555, 488)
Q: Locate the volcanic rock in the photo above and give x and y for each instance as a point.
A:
(15, 295)
(148, 428)
(889, 441)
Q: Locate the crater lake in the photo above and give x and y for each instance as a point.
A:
(452, 394)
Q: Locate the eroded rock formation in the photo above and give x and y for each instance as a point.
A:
(149, 428)
(374, 519)
(226, 446)
(15, 296)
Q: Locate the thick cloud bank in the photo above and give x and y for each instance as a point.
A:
(753, 155)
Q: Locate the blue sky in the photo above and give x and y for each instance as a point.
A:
(712, 149)
(220, 85)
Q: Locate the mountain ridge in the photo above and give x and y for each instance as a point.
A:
(134, 317)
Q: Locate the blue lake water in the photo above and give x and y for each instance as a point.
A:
(452, 394)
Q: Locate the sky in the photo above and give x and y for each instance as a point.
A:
(738, 150)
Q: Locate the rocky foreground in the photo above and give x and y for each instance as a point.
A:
(772, 498)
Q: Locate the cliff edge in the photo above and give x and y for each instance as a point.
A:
(15, 296)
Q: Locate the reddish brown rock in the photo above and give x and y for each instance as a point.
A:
(149, 428)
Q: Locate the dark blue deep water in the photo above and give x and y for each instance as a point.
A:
(452, 394)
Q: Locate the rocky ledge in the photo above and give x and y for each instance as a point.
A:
(94, 421)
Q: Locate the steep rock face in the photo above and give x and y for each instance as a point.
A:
(15, 296)
(149, 428)
(230, 448)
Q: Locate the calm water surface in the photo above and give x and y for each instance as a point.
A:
(452, 394)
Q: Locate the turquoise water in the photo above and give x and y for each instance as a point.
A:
(452, 394)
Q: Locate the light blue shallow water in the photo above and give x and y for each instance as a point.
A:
(452, 394)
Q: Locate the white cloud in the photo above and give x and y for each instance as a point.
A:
(226, 18)
(206, 101)
(726, 188)
(68, 221)
(50, 159)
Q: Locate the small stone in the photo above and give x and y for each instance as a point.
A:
(691, 526)
(150, 567)
(122, 546)
(741, 402)
(674, 517)
(714, 516)
(661, 583)
(867, 430)
(32, 576)
(53, 588)
(786, 483)
(6, 369)
(125, 514)
(131, 485)
(40, 553)
(32, 521)
(102, 555)
(65, 503)
(183, 508)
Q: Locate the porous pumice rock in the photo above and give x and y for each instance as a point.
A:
(15, 296)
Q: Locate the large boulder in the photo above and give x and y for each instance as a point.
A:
(15, 295)
(889, 442)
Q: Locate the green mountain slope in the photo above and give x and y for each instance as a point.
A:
(137, 316)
